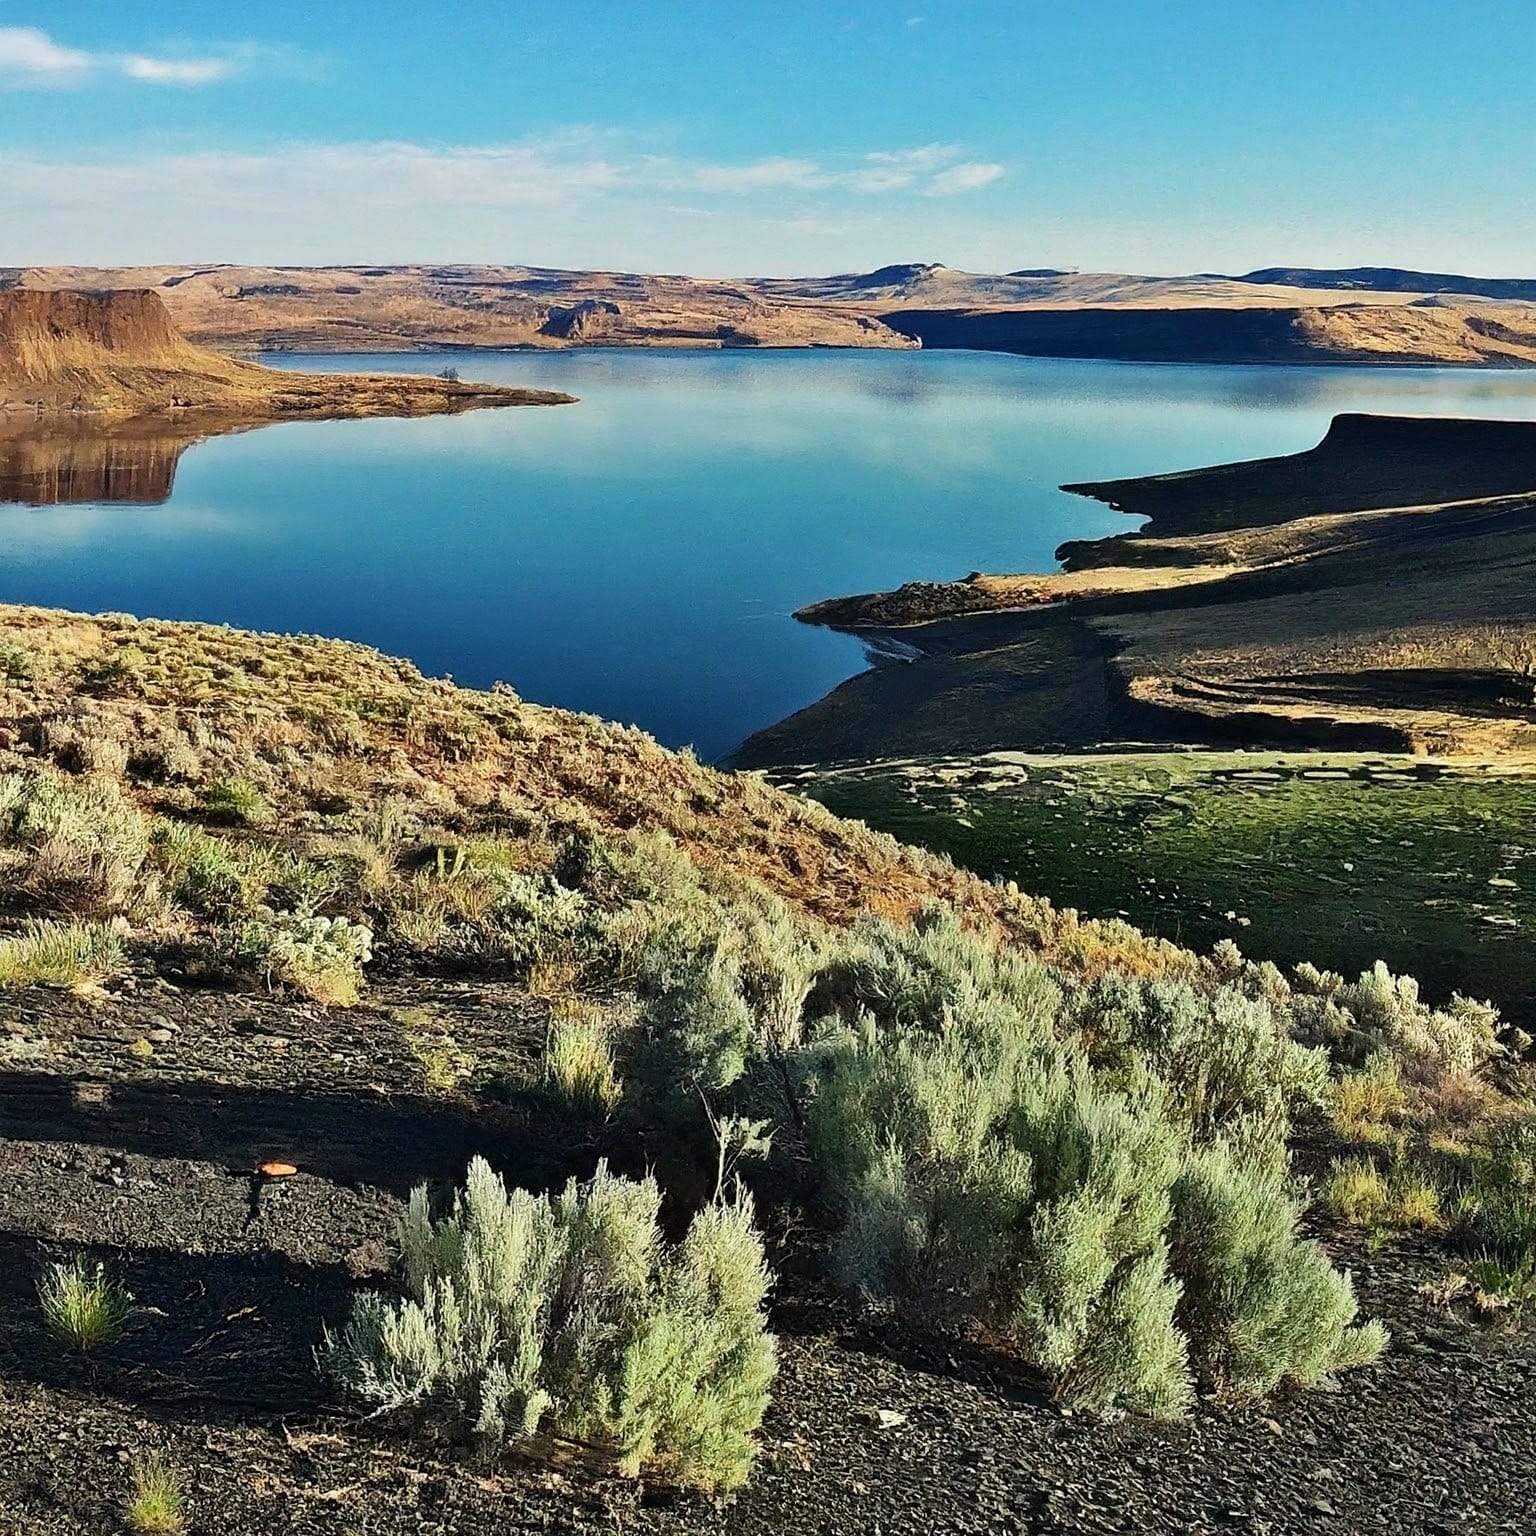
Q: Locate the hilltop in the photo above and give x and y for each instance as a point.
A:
(117, 354)
(1281, 315)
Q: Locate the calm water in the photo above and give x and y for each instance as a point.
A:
(638, 554)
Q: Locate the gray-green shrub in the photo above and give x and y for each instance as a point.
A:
(1059, 1168)
(570, 1316)
(74, 846)
(1261, 1306)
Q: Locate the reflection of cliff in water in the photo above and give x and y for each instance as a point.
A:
(49, 465)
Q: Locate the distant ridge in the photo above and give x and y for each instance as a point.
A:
(71, 354)
(1396, 280)
(1274, 315)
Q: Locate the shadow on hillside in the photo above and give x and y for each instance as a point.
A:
(231, 1333)
(387, 1142)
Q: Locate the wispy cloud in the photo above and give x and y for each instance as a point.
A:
(939, 169)
(579, 162)
(969, 176)
(586, 196)
(30, 59)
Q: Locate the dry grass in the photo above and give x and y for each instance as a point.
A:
(118, 355)
(433, 794)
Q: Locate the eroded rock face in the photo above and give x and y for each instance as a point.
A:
(68, 353)
(45, 333)
(584, 321)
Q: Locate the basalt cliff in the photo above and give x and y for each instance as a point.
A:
(67, 355)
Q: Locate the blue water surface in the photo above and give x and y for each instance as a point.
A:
(638, 555)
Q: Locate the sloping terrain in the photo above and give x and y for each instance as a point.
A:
(387, 309)
(1297, 317)
(118, 354)
(166, 786)
(1372, 592)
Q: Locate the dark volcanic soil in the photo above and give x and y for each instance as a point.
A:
(144, 1159)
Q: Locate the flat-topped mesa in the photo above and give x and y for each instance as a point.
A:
(67, 354)
(43, 335)
(1363, 463)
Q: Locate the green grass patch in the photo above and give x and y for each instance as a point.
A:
(1341, 860)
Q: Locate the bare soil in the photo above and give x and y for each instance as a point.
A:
(145, 1160)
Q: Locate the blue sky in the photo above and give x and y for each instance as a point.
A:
(784, 137)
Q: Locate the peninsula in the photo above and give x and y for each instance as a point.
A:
(1369, 593)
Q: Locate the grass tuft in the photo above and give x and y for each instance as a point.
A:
(59, 955)
(157, 1505)
(82, 1304)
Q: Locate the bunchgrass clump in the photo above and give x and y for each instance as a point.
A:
(59, 955)
(83, 1305)
(237, 802)
(157, 1505)
(579, 1060)
(536, 1317)
(1369, 1101)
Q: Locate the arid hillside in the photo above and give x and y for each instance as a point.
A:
(377, 309)
(66, 353)
(291, 931)
(1499, 335)
(1294, 317)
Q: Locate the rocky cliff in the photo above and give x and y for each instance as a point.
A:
(69, 353)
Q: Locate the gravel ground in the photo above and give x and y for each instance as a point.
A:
(146, 1158)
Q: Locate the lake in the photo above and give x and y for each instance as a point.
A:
(638, 555)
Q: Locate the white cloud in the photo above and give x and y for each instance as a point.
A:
(29, 55)
(970, 176)
(31, 59)
(153, 71)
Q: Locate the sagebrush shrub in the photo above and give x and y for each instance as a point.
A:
(1229, 1063)
(1060, 1169)
(320, 957)
(1093, 1302)
(78, 846)
(1261, 1305)
(1384, 1013)
(570, 1316)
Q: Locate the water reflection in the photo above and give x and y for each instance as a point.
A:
(63, 465)
(638, 555)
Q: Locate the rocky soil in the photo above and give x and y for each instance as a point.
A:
(130, 1123)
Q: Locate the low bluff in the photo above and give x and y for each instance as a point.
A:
(71, 354)
(38, 331)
